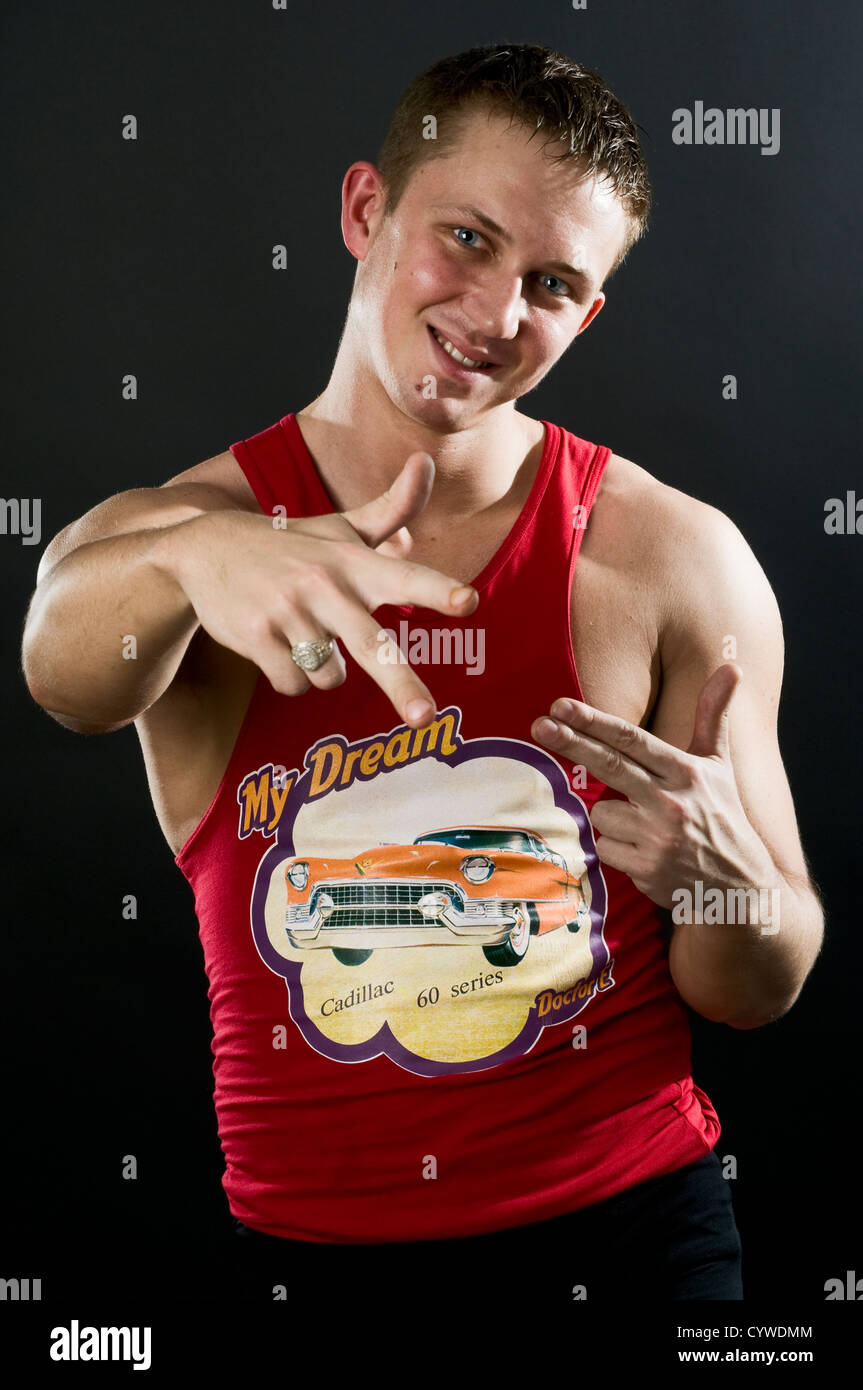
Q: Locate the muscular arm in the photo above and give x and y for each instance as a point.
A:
(154, 565)
(100, 581)
(706, 806)
(724, 609)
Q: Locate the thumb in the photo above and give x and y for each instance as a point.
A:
(404, 499)
(710, 735)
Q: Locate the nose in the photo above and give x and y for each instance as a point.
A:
(494, 306)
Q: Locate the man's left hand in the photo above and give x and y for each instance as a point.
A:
(683, 819)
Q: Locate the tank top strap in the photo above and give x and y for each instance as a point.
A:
(573, 488)
(550, 529)
(557, 527)
(281, 471)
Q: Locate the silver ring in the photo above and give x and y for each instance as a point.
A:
(310, 655)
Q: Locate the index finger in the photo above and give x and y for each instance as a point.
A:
(637, 745)
(383, 579)
(371, 647)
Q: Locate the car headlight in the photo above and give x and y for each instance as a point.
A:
(299, 874)
(477, 868)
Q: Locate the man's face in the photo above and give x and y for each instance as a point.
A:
(515, 297)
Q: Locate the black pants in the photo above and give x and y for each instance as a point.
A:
(672, 1237)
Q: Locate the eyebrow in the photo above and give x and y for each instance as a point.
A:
(475, 215)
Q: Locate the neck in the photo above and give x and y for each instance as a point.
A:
(360, 441)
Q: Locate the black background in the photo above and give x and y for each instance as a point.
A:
(154, 257)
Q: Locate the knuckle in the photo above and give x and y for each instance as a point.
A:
(407, 569)
(283, 605)
(695, 779)
(310, 578)
(628, 735)
(311, 571)
(346, 549)
(370, 643)
(409, 575)
(674, 809)
(257, 628)
(615, 763)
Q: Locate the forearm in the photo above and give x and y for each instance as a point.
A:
(106, 630)
(748, 966)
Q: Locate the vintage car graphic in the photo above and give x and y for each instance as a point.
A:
(492, 886)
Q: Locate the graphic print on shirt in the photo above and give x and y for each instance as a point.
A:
(430, 897)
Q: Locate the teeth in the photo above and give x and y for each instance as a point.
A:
(454, 352)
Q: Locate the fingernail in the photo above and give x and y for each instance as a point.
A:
(461, 595)
(546, 727)
(563, 708)
(420, 709)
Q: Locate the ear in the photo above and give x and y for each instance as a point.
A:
(592, 311)
(362, 207)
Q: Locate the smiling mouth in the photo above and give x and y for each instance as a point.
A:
(481, 365)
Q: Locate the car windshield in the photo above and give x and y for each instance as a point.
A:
(478, 839)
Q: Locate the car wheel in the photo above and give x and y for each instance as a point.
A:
(514, 949)
(346, 956)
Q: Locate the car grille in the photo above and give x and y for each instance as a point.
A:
(381, 904)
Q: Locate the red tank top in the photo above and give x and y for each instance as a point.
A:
(435, 1013)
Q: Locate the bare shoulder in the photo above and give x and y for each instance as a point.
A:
(219, 480)
(651, 510)
(684, 535)
(223, 472)
(692, 556)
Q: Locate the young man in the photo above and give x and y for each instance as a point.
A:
(443, 1003)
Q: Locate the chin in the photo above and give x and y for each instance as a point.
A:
(443, 413)
(447, 416)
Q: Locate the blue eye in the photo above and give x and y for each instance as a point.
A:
(470, 232)
(564, 287)
(560, 289)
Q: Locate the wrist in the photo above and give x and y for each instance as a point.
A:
(169, 549)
